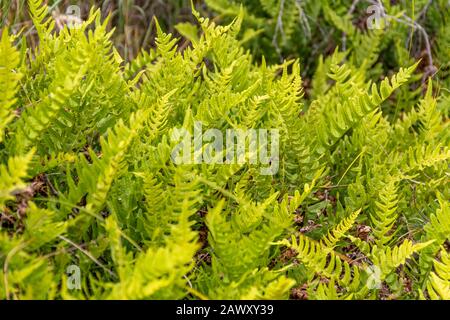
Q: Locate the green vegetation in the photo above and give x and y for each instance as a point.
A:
(93, 206)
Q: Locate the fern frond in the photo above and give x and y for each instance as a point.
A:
(437, 229)
(423, 156)
(159, 272)
(39, 14)
(385, 213)
(114, 149)
(388, 259)
(70, 70)
(12, 176)
(353, 102)
(339, 231)
(277, 289)
(438, 284)
(9, 80)
(42, 226)
(325, 262)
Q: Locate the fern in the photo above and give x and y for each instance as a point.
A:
(39, 11)
(159, 272)
(9, 81)
(389, 259)
(437, 229)
(339, 230)
(385, 215)
(70, 69)
(90, 178)
(12, 176)
(438, 284)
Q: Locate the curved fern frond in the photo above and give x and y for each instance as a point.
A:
(325, 262)
(70, 70)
